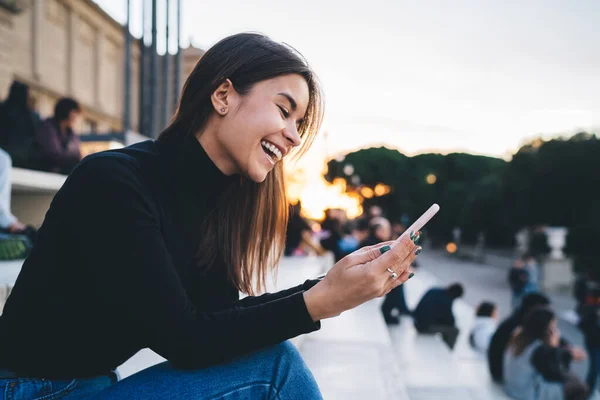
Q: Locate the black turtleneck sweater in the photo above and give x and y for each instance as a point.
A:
(113, 272)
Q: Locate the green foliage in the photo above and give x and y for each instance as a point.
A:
(554, 182)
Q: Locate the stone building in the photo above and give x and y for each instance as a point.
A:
(73, 48)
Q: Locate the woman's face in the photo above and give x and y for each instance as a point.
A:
(252, 133)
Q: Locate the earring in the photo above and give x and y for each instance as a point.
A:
(222, 110)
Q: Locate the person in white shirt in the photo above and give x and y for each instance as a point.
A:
(485, 326)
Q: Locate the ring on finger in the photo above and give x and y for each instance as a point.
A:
(393, 274)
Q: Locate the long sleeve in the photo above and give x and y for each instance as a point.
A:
(116, 221)
(551, 362)
(268, 297)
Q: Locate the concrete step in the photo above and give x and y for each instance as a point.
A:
(429, 368)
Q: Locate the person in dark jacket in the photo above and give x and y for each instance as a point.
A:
(434, 313)
(394, 304)
(590, 327)
(149, 246)
(57, 141)
(18, 127)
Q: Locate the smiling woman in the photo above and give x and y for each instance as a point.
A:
(150, 245)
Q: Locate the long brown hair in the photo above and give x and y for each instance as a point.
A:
(536, 326)
(246, 232)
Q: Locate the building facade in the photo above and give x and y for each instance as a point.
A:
(74, 48)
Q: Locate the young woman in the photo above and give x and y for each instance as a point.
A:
(536, 367)
(149, 246)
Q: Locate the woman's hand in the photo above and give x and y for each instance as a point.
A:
(360, 277)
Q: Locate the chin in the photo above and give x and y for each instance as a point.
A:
(257, 175)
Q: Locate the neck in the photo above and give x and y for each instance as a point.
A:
(213, 148)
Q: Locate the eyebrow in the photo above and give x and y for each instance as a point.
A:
(290, 99)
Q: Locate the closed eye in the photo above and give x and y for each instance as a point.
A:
(284, 112)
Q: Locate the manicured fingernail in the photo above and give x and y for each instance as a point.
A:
(417, 238)
(411, 275)
(384, 249)
(412, 235)
(418, 250)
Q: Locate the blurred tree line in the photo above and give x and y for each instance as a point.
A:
(555, 182)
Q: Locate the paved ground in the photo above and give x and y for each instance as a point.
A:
(486, 282)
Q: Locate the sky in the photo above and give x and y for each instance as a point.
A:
(420, 76)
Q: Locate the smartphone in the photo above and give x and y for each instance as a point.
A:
(420, 223)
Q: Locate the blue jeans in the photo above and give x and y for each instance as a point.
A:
(278, 372)
(594, 370)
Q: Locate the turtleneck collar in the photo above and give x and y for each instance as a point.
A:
(195, 172)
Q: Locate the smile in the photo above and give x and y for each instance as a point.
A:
(272, 151)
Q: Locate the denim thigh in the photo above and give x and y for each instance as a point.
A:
(278, 372)
(51, 389)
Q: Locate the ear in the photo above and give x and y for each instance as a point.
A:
(221, 98)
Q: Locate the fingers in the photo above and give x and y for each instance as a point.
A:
(376, 246)
(394, 283)
(368, 253)
(396, 257)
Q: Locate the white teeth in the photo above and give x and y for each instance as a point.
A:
(274, 149)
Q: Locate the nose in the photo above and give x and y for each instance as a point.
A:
(292, 136)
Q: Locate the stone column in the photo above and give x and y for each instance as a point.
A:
(100, 48)
(71, 49)
(37, 34)
(6, 67)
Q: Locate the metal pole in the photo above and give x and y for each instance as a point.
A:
(167, 87)
(142, 118)
(177, 85)
(153, 75)
(127, 96)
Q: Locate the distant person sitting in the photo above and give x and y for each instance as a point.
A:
(485, 325)
(19, 125)
(58, 143)
(380, 230)
(434, 313)
(299, 235)
(14, 240)
(361, 230)
(536, 367)
(518, 279)
(505, 330)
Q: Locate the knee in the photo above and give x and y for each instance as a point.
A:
(287, 353)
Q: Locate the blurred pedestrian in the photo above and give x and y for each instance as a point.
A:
(299, 235)
(397, 229)
(331, 229)
(361, 230)
(58, 143)
(590, 327)
(536, 367)
(380, 230)
(394, 304)
(486, 322)
(8, 222)
(434, 313)
(505, 331)
(18, 127)
(14, 241)
(518, 280)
